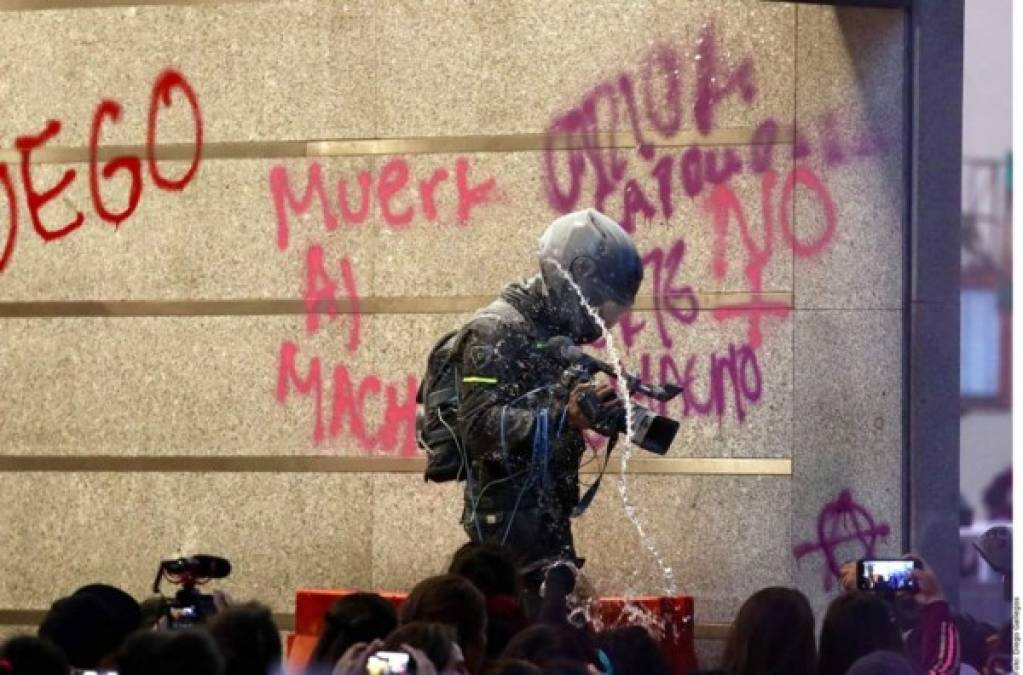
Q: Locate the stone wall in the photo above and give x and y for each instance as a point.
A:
(409, 156)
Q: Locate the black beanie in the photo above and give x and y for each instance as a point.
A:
(91, 623)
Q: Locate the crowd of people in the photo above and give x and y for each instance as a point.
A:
(472, 620)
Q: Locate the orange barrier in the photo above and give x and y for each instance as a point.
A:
(675, 614)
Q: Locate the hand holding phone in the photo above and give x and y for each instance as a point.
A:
(928, 588)
(390, 663)
(886, 576)
(354, 660)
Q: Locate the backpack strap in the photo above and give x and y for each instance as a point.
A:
(435, 397)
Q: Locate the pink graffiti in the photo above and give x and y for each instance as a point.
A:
(842, 521)
(733, 381)
(724, 207)
(644, 183)
(613, 105)
(330, 291)
(392, 195)
(348, 404)
(346, 398)
(584, 165)
(320, 294)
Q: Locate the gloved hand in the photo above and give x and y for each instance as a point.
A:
(559, 578)
(605, 393)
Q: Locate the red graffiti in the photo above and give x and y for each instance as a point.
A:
(724, 207)
(12, 217)
(37, 200)
(841, 522)
(393, 194)
(133, 165)
(165, 84)
(36, 197)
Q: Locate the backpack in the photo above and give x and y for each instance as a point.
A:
(437, 415)
(438, 399)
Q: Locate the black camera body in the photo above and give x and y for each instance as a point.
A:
(189, 608)
(650, 431)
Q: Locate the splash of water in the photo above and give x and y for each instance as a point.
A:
(584, 611)
(623, 392)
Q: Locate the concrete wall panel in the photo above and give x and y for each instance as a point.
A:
(279, 531)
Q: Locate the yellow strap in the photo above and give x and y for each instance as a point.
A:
(480, 380)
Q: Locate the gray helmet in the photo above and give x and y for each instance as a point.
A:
(602, 260)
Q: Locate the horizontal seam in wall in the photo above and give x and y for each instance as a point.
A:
(357, 147)
(286, 622)
(368, 305)
(725, 466)
(31, 5)
(34, 617)
(711, 631)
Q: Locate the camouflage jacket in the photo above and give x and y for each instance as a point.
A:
(510, 394)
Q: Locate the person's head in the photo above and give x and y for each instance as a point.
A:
(512, 667)
(452, 600)
(855, 625)
(491, 569)
(27, 655)
(541, 644)
(248, 639)
(91, 624)
(171, 652)
(436, 640)
(359, 617)
(772, 633)
(632, 650)
(601, 259)
(995, 546)
(882, 663)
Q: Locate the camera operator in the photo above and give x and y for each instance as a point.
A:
(522, 431)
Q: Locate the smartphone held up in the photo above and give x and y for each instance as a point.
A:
(390, 663)
(892, 576)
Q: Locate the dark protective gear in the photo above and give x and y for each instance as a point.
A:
(523, 482)
(601, 258)
(512, 496)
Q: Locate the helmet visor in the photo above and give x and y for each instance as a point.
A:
(611, 312)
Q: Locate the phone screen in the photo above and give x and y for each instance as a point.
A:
(183, 617)
(885, 575)
(389, 663)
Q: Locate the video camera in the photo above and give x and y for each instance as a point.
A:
(189, 607)
(650, 431)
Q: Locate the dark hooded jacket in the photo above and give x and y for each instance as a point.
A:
(524, 457)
